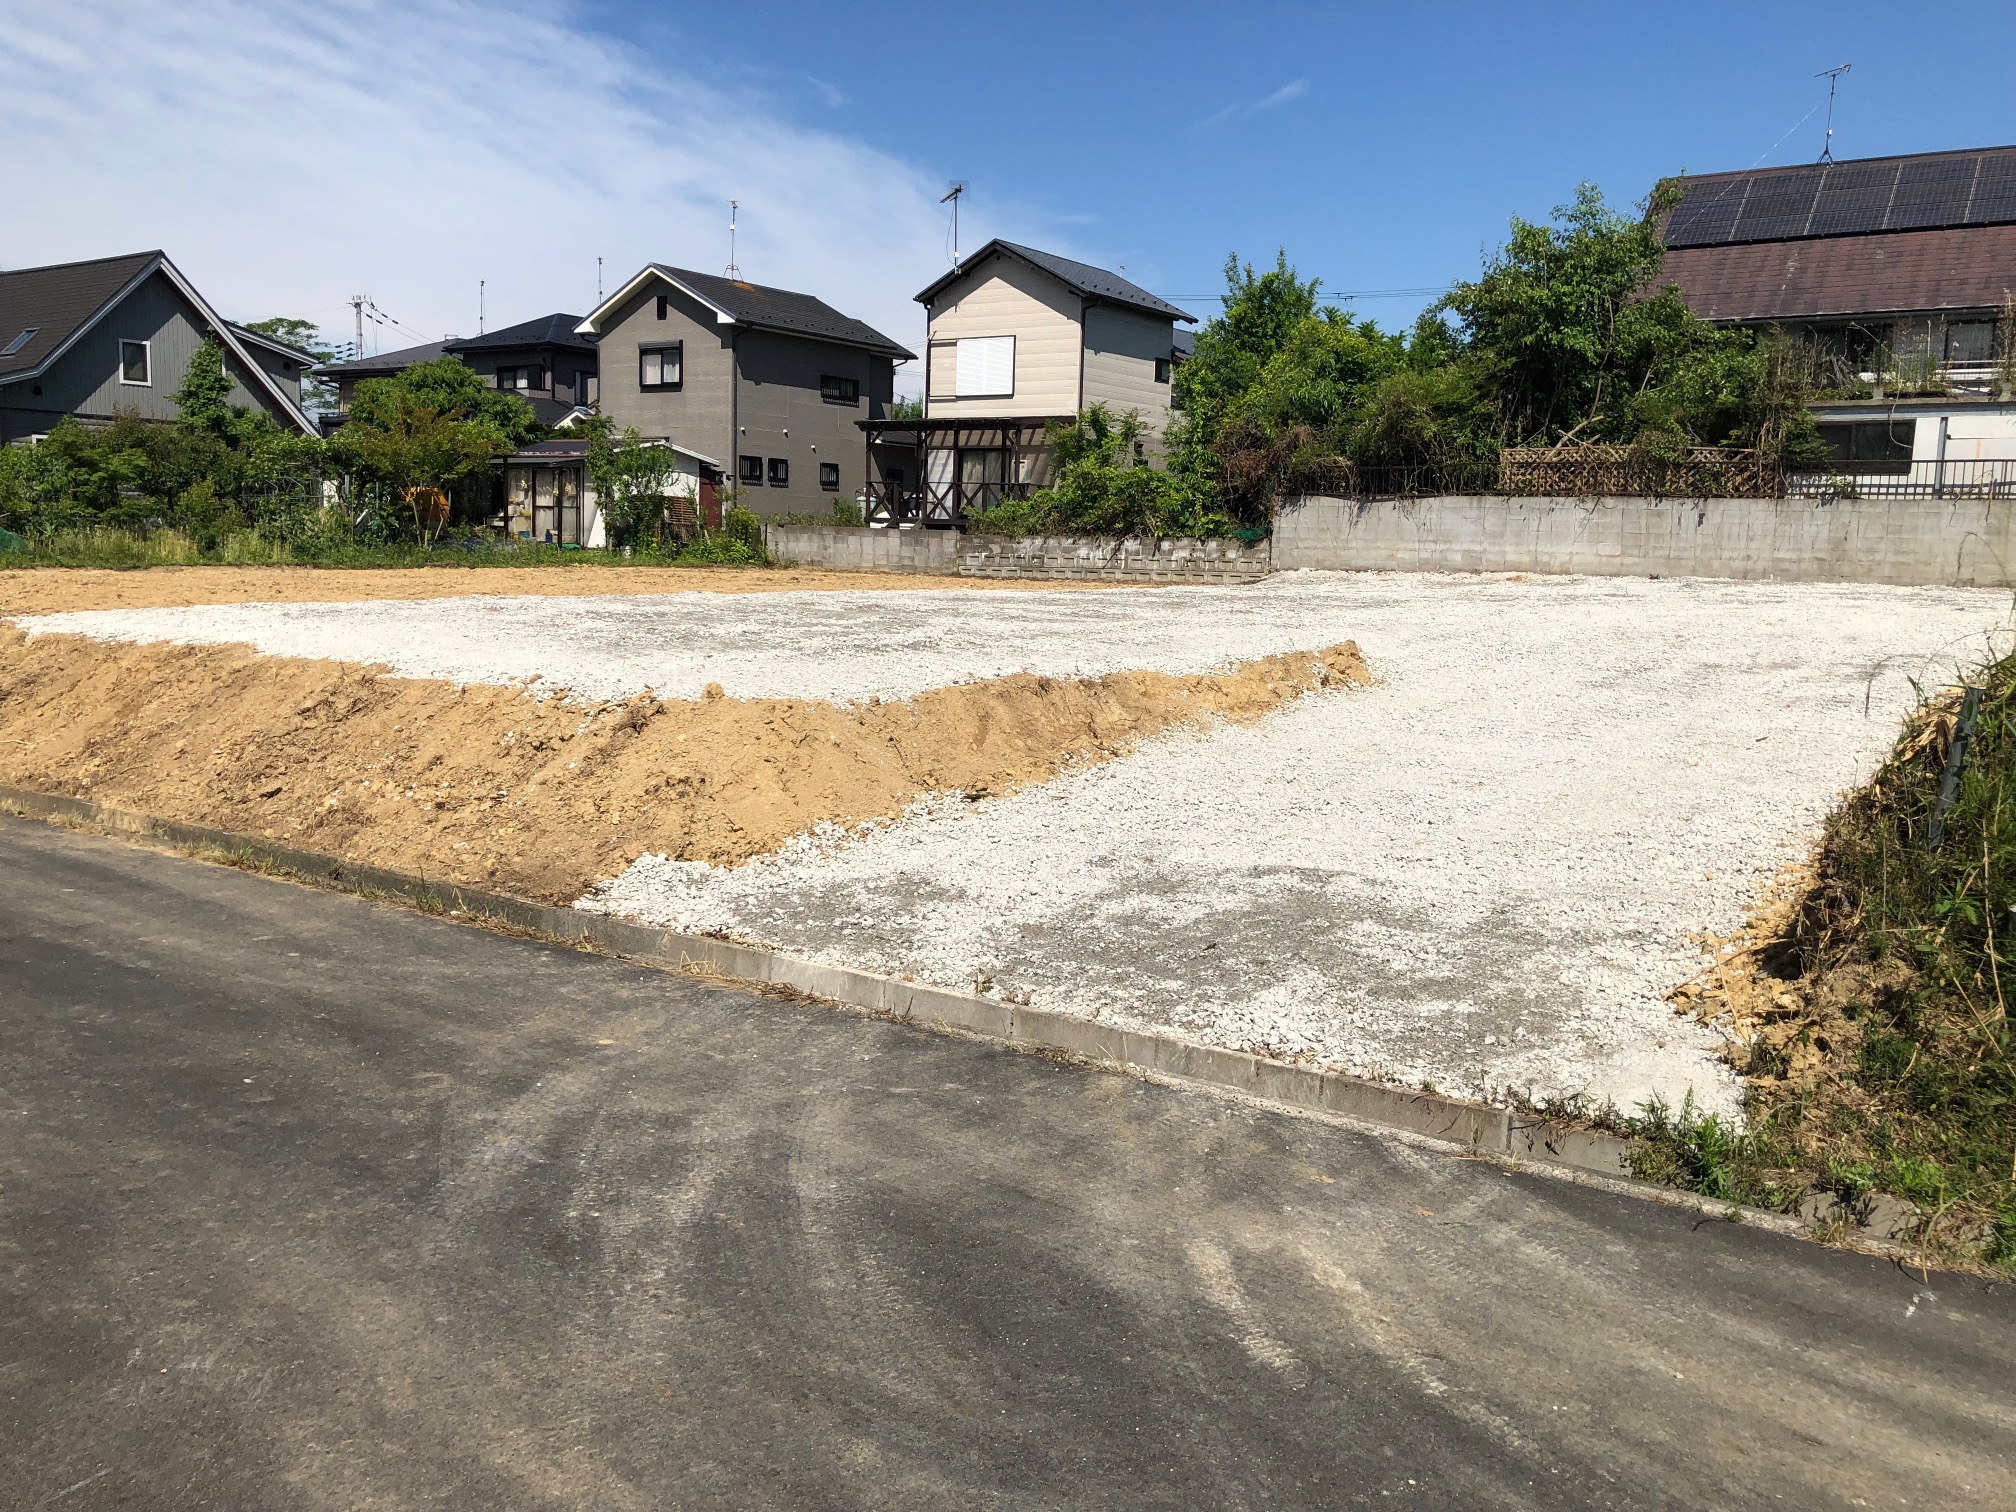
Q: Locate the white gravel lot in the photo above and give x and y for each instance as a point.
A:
(1482, 872)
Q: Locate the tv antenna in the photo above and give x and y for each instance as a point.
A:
(1833, 78)
(952, 196)
(598, 283)
(734, 210)
(481, 285)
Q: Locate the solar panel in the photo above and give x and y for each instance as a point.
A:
(1931, 192)
(1853, 197)
(1994, 190)
(1779, 206)
(1706, 213)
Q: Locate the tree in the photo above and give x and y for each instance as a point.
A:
(630, 481)
(318, 395)
(1106, 485)
(428, 432)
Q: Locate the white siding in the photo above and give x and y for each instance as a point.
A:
(1121, 349)
(1004, 297)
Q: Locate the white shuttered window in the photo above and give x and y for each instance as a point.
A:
(986, 367)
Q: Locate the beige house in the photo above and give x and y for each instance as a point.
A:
(1018, 338)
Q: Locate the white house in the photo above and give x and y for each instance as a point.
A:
(550, 495)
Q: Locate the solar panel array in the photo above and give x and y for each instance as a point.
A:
(1849, 199)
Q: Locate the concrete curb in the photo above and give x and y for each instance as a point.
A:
(1476, 1128)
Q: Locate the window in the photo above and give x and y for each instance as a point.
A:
(664, 304)
(19, 341)
(520, 379)
(752, 470)
(135, 362)
(780, 472)
(1161, 369)
(661, 367)
(829, 474)
(587, 388)
(985, 368)
(1970, 341)
(840, 390)
(1870, 446)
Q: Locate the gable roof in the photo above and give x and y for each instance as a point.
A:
(63, 301)
(272, 343)
(757, 306)
(546, 330)
(60, 303)
(383, 364)
(1082, 278)
(1856, 197)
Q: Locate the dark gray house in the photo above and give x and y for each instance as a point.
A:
(768, 380)
(542, 361)
(114, 336)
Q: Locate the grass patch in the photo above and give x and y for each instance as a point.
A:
(1872, 1011)
(106, 547)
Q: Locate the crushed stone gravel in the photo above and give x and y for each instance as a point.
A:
(1481, 874)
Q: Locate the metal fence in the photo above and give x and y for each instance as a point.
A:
(1959, 479)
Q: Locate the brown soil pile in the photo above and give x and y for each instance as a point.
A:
(487, 785)
(50, 590)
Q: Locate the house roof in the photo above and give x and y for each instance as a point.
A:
(272, 343)
(59, 303)
(546, 330)
(62, 301)
(1858, 197)
(1966, 268)
(575, 448)
(758, 306)
(384, 364)
(1083, 278)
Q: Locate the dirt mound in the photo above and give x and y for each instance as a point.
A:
(50, 590)
(491, 786)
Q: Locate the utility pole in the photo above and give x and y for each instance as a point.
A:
(357, 304)
(1833, 78)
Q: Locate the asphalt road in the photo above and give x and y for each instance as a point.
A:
(307, 1202)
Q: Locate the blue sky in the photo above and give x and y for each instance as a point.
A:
(289, 155)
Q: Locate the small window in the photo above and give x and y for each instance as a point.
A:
(518, 379)
(985, 367)
(19, 341)
(829, 475)
(661, 367)
(587, 388)
(840, 390)
(664, 304)
(780, 472)
(1161, 369)
(135, 362)
(1970, 342)
(752, 469)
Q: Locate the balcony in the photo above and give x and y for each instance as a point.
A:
(939, 506)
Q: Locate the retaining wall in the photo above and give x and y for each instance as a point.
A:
(860, 549)
(1142, 559)
(1958, 542)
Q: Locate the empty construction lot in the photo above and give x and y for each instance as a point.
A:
(1449, 830)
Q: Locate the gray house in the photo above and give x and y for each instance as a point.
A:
(114, 336)
(771, 381)
(543, 361)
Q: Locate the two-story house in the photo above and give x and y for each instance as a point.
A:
(1018, 339)
(114, 336)
(1892, 274)
(544, 361)
(769, 381)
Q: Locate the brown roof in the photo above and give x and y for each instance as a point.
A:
(1965, 268)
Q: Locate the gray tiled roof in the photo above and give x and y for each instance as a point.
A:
(547, 330)
(1094, 283)
(782, 310)
(56, 301)
(384, 363)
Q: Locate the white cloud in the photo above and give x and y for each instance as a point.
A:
(1293, 90)
(289, 156)
(829, 94)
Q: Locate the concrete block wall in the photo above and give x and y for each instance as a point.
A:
(857, 548)
(1955, 542)
(1128, 559)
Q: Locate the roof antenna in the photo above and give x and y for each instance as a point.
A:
(1833, 78)
(734, 210)
(958, 188)
(481, 283)
(598, 283)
